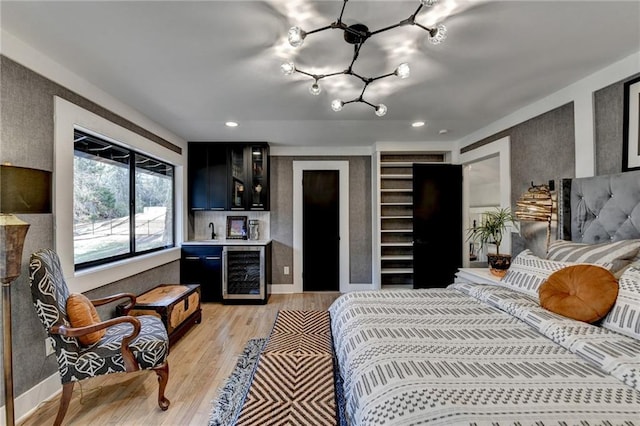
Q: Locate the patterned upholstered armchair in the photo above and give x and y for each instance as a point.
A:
(129, 343)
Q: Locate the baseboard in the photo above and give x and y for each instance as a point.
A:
(282, 289)
(26, 403)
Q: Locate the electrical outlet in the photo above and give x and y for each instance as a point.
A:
(286, 270)
(48, 346)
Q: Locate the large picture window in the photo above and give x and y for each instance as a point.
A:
(122, 202)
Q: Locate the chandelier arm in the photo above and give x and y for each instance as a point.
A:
(390, 27)
(317, 30)
(382, 76)
(365, 80)
(429, 30)
(368, 103)
(356, 53)
(314, 76)
(344, 5)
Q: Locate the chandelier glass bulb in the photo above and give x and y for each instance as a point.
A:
(315, 89)
(438, 34)
(296, 36)
(381, 110)
(403, 71)
(428, 3)
(337, 105)
(288, 68)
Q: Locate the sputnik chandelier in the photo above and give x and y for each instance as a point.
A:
(357, 35)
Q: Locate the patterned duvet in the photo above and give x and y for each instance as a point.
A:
(479, 354)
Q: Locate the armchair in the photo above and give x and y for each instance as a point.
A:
(129, 343)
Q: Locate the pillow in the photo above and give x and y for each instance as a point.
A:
(624, 317)
(582, 292)
(528, 271)
(82, 313)
(614, 256)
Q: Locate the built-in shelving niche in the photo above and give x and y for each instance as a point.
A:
(396, 214)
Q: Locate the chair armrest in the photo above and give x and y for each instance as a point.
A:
(129, 360)
(108, 299)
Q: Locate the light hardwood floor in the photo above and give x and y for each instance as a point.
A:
(199, 363)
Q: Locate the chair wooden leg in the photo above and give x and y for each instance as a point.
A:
(67, 391)
(163, 377)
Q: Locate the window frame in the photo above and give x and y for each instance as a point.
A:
(132, 168)
(67, 117)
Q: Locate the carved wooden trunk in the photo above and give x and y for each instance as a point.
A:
(177, 305)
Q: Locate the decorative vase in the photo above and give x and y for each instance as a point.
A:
(499, 264)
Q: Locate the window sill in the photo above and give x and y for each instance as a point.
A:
(90, 278)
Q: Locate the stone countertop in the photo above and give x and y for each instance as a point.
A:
(224, 242)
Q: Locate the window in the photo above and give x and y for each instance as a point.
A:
(122, 202)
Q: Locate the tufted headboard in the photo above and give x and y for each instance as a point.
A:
(601, 208)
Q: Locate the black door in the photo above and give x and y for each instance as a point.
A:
(320, 230)
(437, 224)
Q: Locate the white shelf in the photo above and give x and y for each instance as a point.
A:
(396, 204)
(397, 244)
(403, 271)
(398, 257)
(399, 231)
(398, 190)
(394, 176)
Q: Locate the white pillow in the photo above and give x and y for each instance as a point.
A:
(527, 272)
(614, 256)
(624, 317)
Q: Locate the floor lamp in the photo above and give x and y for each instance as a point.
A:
(25, 191)
(537, 205)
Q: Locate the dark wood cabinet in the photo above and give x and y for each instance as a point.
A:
(228, 176)
(203, 265)
(207, 176)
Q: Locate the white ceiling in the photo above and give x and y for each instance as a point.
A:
(192, 65)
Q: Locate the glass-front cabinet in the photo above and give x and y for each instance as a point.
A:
(259, 181)
(249, 176)
(228, 176)
(238, 177)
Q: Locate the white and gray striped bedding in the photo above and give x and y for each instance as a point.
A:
(479, 354)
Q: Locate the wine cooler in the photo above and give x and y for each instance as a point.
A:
(246, 274)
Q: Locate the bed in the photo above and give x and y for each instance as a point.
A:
(490, 354)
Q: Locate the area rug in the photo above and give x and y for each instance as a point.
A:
(231, 396)
(288, 379)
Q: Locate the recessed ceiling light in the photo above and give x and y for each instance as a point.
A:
(443, 131)
(417, 124)
(231, 124)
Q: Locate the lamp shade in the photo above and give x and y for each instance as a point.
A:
(536, 204)
(24, 190)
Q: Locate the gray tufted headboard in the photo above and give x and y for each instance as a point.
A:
(600, 208)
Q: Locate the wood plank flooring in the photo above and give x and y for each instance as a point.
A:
(199, 363)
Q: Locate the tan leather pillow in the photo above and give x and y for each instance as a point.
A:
(82, 313)
(582, 292)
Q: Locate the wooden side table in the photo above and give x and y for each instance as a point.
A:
(177, 305)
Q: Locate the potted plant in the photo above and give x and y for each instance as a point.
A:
(490, 231)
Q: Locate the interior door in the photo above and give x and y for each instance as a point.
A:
(437, 224)
(320, 230)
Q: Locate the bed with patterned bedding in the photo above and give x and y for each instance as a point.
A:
(491, 354)
(479, 354)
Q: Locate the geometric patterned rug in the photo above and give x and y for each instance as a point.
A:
(294, 382)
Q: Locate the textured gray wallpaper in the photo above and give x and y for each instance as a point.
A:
(608, 110)
(26, 139)
(281, 187)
